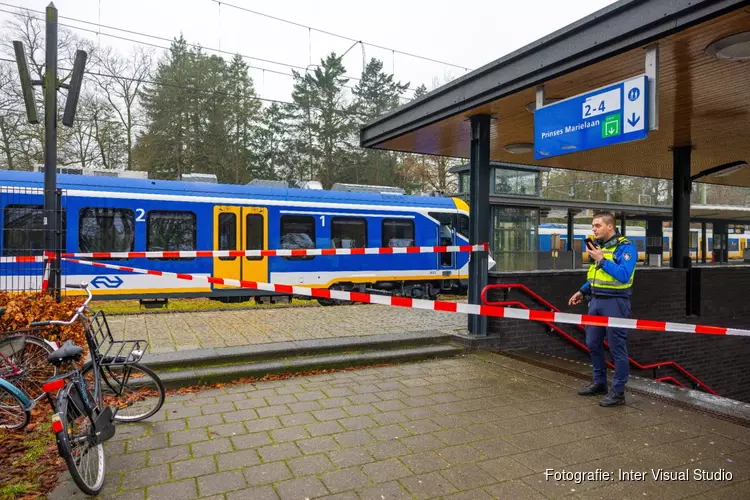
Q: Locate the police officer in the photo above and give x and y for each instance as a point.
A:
(608, 285)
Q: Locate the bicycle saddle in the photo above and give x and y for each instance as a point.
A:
(68, 352)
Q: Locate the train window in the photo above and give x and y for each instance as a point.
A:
(734, 245)
(297, 232)
(254, 234)
(23, 233)
(640, 245)
(398, 233)
(348, 232)
(463, 225)
(665, 244)
(227, 233)
(170, 231)
(106, 230)
(445, 236)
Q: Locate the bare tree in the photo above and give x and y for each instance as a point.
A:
(121, 79)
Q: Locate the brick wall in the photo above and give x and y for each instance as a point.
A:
(723, 363)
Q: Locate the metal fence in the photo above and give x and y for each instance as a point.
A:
(22, 220)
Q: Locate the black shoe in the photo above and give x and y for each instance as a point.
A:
(613, 399)
(593, 390)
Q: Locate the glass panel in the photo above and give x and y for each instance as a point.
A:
(505, 181)
(297, 232)
(23, 233)
(398, 233)
(445, 236)
(227, 233)
(515, 182)
(348, 233)
(464, 183)
(254, 233)
(514, 238)
(170, 231)
(106, 230)
(463, 226)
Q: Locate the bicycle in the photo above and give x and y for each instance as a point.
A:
(82, 421)
(23, 368)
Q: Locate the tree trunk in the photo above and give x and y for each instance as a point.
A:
(6, 143)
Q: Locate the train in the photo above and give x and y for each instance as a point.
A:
(103, 214)
(637, 234)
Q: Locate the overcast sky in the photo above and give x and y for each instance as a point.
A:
(467, 34)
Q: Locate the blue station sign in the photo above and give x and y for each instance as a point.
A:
(610, 115)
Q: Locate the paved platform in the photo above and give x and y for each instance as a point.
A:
(472, 427)
(169, 332)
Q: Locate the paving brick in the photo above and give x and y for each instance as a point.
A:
(466, 477)
(297, 419)
(147, 443)
(169, 426)
(280, 400)
(359, 410)
(273, 411)
(324, 428)
(388, 432)
(184, 437)
(237, 459)
(301, 488)
(178, 413)
(267, 473)
(355, 423)
(422, 463)
(350, 456)
(391, 491)
(386, 470)
(171, 454)
(146, 476)
(211, 447)
(258, 493)
(263, 424)
(313, 464)
(318, 444)
(192, 468)
(428, 485)
(289, 434)
(251, 440)
(391, 417)
(345, 479)
(387, 449)
(514, 489)
(453, 437)
(353, 438)
(335, 402)
(305, 406)
(227, 430)
(119, 463)
(240, 415)
(421, 426)
(331, 414)
(220, 483)
(252, 402)
(205, 420)
(218, 408)
(279, 452)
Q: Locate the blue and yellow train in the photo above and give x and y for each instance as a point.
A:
(637, 234)
(133, 215)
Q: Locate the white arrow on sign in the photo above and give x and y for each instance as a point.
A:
(634, 108)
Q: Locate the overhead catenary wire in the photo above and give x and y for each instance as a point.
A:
(310, 28)
(156, 37)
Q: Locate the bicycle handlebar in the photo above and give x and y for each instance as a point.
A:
(82, 286)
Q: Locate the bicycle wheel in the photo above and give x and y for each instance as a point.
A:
(77, 440)
(13, 415)
(134, 388)
(29, 354)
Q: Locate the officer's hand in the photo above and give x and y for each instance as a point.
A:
(595, 253)
(576, 299)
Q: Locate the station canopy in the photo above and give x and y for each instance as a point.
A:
(703, 91)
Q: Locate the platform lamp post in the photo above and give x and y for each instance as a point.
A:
(52, 233)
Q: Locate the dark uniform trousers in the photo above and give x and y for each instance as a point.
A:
(613, 307)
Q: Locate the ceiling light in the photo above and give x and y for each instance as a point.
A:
(721, 170)
(730, 170)
(733, 48)
(519, 148)
(531, 107)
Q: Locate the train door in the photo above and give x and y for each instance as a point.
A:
(445, 237)
(241, 228)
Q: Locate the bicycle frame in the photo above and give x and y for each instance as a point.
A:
(28, 403)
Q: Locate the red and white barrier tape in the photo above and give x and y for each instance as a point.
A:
(296, 252)
(437, 305)
(24, 258)
(45, 276)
